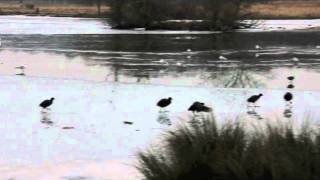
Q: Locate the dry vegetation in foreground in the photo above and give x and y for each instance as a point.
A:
(283, 10)
(56, 10)
(205, 152)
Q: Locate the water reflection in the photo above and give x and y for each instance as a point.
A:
(239, 77)
(163, 118)
(163, 58)
(290, 86)
(113, 76)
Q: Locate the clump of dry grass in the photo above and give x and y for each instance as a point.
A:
(203, 151)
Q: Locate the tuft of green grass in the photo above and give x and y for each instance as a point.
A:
(204, 151)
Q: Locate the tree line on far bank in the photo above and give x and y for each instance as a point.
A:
(154, 14)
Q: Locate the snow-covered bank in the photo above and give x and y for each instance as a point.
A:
(19, 24)
(282, 25)
(85, 124)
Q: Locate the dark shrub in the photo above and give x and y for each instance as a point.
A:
(217, 14)
(203, 151)
(29, 6)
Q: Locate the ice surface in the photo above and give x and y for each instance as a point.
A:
(283, 24)
(34, 140)
(20, 24)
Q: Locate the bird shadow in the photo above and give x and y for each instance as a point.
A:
(253, 113)
(163, 118)
(287, 113)
(45, 118)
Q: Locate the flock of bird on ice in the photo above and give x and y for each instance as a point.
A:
(201, 107)
(196, 106)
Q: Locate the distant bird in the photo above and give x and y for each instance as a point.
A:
(288, 97)
(179, 64)
(290, 78)
(140, 29)
(164, 102)
(257, 55)
(199, 107)
(21, 70)
(253, 99)
(46, 103)
(290, 86)
(20, 67)
(188, 50)
(295, 59)
(128, 122)
(165, 62)
(68, 127)
(318, 47)
(223, 58)
(258, 47)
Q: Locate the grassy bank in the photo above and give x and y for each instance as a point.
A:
(205, 151)
(272, 10)
(56, 10)
(282, 10)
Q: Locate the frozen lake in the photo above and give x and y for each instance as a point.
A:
(84, 135)
(102, 77)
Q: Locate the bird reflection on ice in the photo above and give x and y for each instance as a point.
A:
(287, 113)
(163, 118)
(253, 113)
(45, 118)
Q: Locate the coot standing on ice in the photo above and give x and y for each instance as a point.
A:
(199, 107)
(288, 97)
(291, 78)
(253, 99)
(46, 103)
(164, 102)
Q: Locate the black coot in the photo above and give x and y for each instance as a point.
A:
(46, 103)
(164, 102)
(199, 107)
(291, 78)
(253, 99)
(288, 97)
